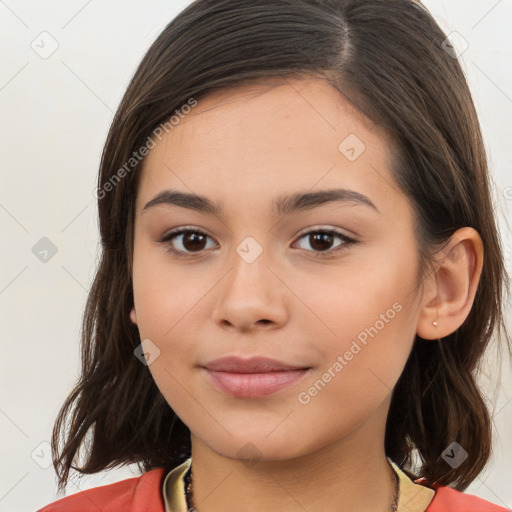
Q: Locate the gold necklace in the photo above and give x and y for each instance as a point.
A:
(190, 506)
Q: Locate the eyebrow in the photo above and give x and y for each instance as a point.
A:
(284, 205)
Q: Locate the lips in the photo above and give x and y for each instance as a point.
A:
(235, 364)
(252, 378)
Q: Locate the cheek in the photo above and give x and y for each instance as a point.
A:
(166, 301)
(367, 314)
(165, 294)
(362, 363)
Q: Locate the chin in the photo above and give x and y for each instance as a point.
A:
(258, 448)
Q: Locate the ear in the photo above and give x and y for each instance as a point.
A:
(449, 292)
(133, 316)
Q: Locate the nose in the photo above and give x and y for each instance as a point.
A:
(251, 296)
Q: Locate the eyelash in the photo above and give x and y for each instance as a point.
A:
(168, 237)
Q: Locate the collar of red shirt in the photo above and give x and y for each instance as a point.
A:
(145, 494)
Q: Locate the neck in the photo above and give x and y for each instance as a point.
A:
(351, 474)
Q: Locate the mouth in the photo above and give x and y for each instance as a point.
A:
(252, 378)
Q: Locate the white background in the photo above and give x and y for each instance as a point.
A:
(55, 113)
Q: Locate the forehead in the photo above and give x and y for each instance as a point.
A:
(311, 106)
(272, 134)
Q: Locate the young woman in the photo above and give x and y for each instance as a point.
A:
(300, 270)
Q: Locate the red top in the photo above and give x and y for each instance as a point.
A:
(144, 494)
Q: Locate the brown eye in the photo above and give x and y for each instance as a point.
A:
(193, 241)
(322, 241)
(185, 241)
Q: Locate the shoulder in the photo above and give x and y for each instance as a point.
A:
(448, 499)
(138, 494)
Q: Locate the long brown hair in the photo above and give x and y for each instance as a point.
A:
(388, 58)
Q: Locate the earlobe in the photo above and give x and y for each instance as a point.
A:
(450, 290)
(133, 316)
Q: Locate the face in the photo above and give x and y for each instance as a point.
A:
(327, 283)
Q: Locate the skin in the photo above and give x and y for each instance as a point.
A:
(243, 148)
